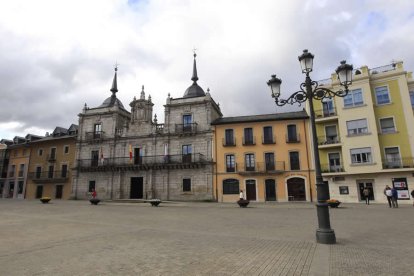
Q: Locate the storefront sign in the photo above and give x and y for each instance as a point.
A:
(400, 184)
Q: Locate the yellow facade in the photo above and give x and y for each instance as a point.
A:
(15, 186)
(260, 176)
(374, 142)
(50, 167)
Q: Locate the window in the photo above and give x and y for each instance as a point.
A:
(187, 122)
(361, 155)
(249, 159)
(230, 163)
(294, 160)
(382, 95)
(94, 158)
(64, 171)
(343, 190)
(97, 131)
(356, 127)
(334, 162)
(392, 157)
(412, 98)
(91, 187)
(52, 155)
(40, 152)
(187, 150)
(292, 135)
(354, 98)
(21, 170)
(248, 136)
(50, 172)
(268, 135)
(12, 171)
(66, 149)
(20, 187)
(387, 125)
(270, 161)
(187, 185)
(328, 107)
(38, 172)
(229, 139)
(331, 134)
(231, 187)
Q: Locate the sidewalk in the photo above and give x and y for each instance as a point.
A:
(76, 238)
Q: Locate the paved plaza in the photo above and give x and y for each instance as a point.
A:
(177, 238)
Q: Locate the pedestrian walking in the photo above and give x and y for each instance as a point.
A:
(412, 196)
(366, 192)
(394, 197)
(388, 194)
(241, 195)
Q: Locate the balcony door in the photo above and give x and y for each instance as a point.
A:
(251, 189)
(187, 122)
(334, 162)
(270, 190)
(94, 158)
(270, 161)
(328, 107)
(292, 133)
(331, 134)
(187, 151)
(137, 156)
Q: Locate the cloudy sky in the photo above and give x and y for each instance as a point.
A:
(55, 56)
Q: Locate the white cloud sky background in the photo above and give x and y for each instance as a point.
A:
(57, 55)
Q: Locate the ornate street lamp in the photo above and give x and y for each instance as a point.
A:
(310, 90)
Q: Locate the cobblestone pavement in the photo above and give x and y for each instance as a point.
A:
(76, 238)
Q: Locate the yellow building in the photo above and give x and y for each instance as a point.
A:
(366, 139)
(50, 165)
(265, 156)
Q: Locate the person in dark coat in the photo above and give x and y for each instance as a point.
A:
(366, 193)
(394, 198)
(412, 196)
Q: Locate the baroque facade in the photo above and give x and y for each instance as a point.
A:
(126, 154)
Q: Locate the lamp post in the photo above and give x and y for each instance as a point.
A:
(310, 90)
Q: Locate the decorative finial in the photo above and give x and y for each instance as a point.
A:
(135, 98)
(114, 88)
(155, 119)
(194, 78)
(142, 93)
(149, 98)
(169, 95)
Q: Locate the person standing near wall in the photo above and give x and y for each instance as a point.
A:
(388, 194)
(412, 196)
(366, 193)
(394, 198)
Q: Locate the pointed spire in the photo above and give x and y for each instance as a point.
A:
(142, 93)
(195, 77)
(114, 88)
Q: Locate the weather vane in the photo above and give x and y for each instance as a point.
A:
(194, 51)
(116, 65)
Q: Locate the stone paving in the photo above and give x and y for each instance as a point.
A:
(177, 238)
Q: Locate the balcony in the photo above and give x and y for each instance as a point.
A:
(268, 140)
(229, 142)
(249, 141)
(326, 168)
(261, 168)
(49, 176)
(95, 136)
(293, 138)
(398, 163)
(329, 142)
(186, 129)
(323, 115)
(51, 157)
(178, 161)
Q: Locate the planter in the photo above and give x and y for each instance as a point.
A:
(243, 203)
(334, 204)
(154, 202)
(94, 201)
(45, 200)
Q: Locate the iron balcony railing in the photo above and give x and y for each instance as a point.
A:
(328, 140)
(189, 128)
(229, 142)
(95, 136)
(49, 175)
(396, 163)
(293, 138)
(268, 140)
(325, 113)
(261, 167)
(51, 157)
(326, 168)
(144, 160)
(247, 141)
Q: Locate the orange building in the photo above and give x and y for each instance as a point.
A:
(266, 156)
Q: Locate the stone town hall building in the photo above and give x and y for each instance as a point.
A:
(126, 154)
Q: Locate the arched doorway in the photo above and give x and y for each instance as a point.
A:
(296, 189)
(270, 190)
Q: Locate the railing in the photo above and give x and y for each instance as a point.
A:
(382, 69)
(261, 167)
(119, 132)
(11, 174)
(293, 138)
(51, 157)
(95, 135)
(325, 113)
(248, 141)
(20, 174)
(227, 142)
(268, 140)
(330, 140)
(159, 127)
(397, 163)
(144, 160)
(326, 168)
(186, 128)
(49, 175)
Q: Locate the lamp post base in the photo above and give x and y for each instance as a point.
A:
(324, 236)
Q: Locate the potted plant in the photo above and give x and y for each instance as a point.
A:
(155, 202)
(45, 199)
(94, 200)
(333, 203)
(243, 203)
